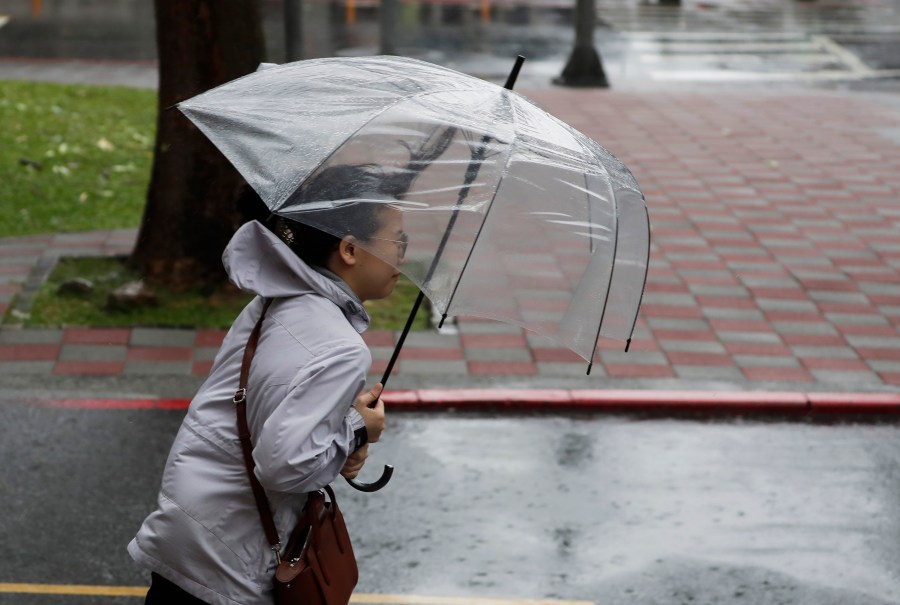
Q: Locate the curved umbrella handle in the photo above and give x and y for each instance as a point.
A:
(377, 485)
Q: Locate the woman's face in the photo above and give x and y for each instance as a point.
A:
(376, 278)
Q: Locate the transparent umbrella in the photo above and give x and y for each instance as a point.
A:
(507, 212)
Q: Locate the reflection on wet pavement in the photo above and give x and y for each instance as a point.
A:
(623, 511)
(808, 42)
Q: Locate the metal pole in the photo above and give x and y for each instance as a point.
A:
(293, 30)
(387, 17)
(584, 67)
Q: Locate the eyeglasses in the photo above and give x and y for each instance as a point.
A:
(402, 244)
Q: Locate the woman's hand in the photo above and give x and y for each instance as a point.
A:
(371, 408)
(355, 462)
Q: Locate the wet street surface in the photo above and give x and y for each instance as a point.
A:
(597, 508)
(606, 509)
(818, 43)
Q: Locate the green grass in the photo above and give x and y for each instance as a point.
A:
(391, 313)
(73, 157)
(78, 158)
(186, 309)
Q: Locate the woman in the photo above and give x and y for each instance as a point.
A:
(204, 543)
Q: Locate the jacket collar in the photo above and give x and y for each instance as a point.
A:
(260, 263)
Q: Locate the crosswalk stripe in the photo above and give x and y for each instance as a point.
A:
(847, 57)
(706, 46)
(703, 58)
(734, 56)
(715, 36)
(715, 75)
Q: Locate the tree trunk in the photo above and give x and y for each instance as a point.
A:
(584, 67)
(196, 199)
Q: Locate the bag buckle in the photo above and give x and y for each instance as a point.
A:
(277, 550)
(239, 396)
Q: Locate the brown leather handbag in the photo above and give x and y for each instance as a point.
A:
(318, 566)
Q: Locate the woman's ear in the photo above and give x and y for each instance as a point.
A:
(347, 251)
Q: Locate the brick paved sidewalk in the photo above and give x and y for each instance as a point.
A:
(775, 259)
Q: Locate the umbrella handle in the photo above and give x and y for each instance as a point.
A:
(377, 485)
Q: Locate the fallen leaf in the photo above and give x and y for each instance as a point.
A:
(31, 163)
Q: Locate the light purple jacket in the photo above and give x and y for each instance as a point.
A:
(311, 364)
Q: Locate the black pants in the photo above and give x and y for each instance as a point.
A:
(163, 592)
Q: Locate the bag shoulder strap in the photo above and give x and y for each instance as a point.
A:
(240, 404)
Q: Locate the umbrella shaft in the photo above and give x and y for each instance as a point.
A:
(471, 173)
(402, 339)
(514, 74)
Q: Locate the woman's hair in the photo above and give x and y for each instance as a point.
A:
(349, 182)
(362, 219)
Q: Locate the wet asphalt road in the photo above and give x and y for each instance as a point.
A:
(607, 509)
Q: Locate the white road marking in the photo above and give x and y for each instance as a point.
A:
(792, 51)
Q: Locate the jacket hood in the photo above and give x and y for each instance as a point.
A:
(260, 263)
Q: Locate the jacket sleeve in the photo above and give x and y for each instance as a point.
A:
(305, 442)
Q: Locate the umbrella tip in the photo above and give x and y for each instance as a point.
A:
(514, 74)
(441, 323)
(590, 365)
(627, 345)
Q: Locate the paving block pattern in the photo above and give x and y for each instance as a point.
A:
(775, 257)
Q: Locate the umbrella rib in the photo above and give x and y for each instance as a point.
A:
(331, 155)
(483, 222)
(590, 221)
(609, 284)
(471, 173)
(446, 237)
(347, 138)
(643, 285)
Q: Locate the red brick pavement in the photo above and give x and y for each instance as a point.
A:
(775, 252)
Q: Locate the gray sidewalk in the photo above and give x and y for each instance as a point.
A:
(775, 261)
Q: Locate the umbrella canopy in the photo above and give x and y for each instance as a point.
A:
(508, 213)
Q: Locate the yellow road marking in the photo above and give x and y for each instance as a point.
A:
(70, 589)
(362, 598)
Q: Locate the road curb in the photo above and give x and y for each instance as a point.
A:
(664, 402)
(648, 401)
